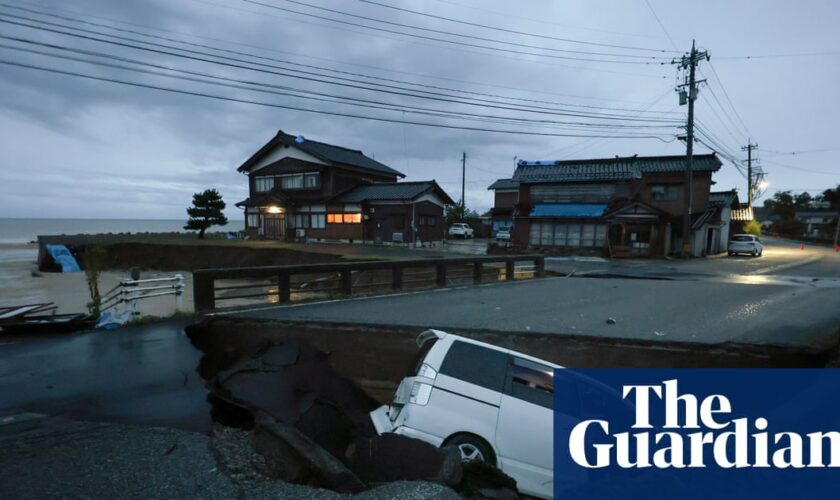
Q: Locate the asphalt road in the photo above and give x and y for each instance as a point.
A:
(763, 300)
(144, 374)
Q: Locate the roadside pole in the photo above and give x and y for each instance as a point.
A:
(689, 62)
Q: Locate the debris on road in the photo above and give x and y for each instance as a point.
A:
(310, 426)
(393, 457)
(611, 321)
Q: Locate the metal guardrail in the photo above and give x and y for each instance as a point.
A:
(204, 280)
(129, 291)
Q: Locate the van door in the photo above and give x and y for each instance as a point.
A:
(524, 435)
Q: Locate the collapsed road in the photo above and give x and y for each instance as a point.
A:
(146, 387)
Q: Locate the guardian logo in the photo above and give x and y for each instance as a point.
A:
(698, 434)
(711, 426)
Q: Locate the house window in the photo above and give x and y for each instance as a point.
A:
(318, 221)
(263, 184)
(253, 220)
(292, 181)
(568, 235)
(427, 220)
(664, 192)
(344, 218)
(299, 221)
(311, 181)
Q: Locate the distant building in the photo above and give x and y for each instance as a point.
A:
(617, 206)
(307, 190)
(818, 223)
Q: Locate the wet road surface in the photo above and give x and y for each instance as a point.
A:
(143, 374)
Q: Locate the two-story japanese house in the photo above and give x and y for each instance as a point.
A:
(614, 206)
(312, 191)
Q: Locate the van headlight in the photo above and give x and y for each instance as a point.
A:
(427, 371)
(420, 393)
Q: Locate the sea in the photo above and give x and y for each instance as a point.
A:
(16, 231)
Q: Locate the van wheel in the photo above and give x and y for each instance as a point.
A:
(472, 448)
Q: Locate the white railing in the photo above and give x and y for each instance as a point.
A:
(130, 291)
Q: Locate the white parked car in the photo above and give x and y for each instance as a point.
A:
(503, 234)
(460, 230)
(745, 243)
(494, 404)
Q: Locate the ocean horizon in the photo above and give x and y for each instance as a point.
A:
(16, 230)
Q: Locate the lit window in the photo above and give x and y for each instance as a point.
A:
(263, 184)
(352, 218)
(334, 218)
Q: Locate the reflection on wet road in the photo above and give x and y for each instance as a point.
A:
(144, 374)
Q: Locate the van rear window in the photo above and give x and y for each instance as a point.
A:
(476, 364)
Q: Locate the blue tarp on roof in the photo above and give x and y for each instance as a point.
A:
(568, 210)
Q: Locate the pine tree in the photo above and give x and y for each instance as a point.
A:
(206, 210)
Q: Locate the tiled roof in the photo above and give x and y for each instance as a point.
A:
(723, 198)
(504, 184)
(391, 191)
(568, 210)
(608, 169)
(261, 200)
(329, 153)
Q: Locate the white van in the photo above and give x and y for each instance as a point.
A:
(495, 404)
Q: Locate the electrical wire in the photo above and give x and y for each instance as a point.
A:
(282, 106)
(211, 47)
(247, 85)
(498, 28)
(444, 40)
(318, 77)
(664, 30)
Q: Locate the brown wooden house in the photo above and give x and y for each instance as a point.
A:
(307, 190)
(615, 206)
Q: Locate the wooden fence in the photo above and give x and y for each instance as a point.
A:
(205, 289)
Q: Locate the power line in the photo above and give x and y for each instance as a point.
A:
(317, 77)
(282, 106)
(726, 95)
(785, 165)
(342, 100)
(508, 15)
(444, 40)
(158, 37)
(662, 26)
(781, 56)
(497, 28)
(794, 153)
(446, 47)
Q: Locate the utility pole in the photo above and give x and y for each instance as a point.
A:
(689, 62)
(749, 149)
(463, 182)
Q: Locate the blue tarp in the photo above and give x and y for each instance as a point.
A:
(62, 256)
(568, 210)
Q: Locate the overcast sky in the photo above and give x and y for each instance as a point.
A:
(75, 147)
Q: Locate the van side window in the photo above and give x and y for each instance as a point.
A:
(531, 382)
(476, 365)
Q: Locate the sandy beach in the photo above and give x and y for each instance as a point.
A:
(22, 283)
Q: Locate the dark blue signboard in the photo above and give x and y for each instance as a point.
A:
(697, 433)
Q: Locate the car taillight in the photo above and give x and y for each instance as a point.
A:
(426, 371)
(420, 393)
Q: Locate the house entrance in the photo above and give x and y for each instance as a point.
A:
(274, 226)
